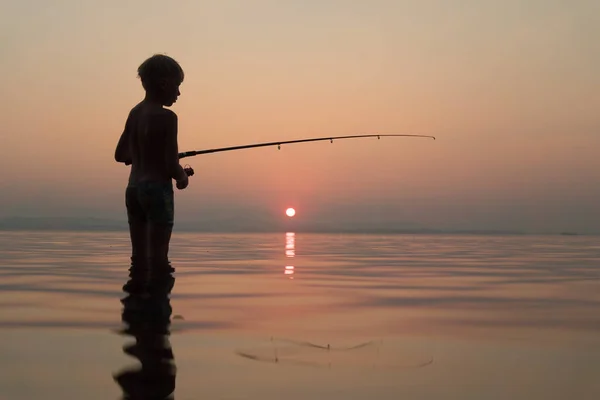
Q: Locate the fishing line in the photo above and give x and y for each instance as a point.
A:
(303, 353)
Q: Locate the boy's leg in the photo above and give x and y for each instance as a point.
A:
(159, 238)
(138, 232)
(138, 227)
(158, 202)
(138, 235)
(161, 278)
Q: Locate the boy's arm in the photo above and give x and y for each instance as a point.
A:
(174, 169)
(123, 152)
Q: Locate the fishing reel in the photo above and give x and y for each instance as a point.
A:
(189, 171)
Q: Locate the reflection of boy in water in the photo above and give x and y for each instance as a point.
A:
(149, 143)
(148, 320)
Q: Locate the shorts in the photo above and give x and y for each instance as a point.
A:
(150, 202)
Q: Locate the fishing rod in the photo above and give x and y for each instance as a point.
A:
(278, 144)
(189, 171)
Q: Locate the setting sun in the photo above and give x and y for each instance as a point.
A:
(290, 212)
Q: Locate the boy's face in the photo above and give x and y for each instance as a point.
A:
(170, 91)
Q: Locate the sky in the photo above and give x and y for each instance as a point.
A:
(510, 89)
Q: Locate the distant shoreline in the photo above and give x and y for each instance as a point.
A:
(297, 231)
(60, 224)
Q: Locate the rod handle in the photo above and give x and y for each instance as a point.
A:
(189, 171)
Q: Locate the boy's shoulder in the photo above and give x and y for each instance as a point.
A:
(167, 119)
(169, 114)
(154, 114)
(151, 110)
(160, 114)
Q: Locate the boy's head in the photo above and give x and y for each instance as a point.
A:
(161, 76)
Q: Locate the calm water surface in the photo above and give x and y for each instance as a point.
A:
(307, 316)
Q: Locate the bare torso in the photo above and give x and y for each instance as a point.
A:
(147, 136)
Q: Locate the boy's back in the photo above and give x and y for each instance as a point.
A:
(151, 128)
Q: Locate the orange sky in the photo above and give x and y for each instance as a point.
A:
(511, 92)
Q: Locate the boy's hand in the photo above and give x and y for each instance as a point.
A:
(182, 183)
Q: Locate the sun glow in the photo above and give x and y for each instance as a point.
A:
(290, 212)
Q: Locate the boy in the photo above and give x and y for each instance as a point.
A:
(149, 144)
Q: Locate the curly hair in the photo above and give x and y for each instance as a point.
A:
(158, 67)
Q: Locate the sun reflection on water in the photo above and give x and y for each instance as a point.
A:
(290, 247)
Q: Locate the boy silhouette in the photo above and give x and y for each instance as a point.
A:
(149, 144)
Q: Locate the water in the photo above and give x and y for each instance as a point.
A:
(308, 316)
